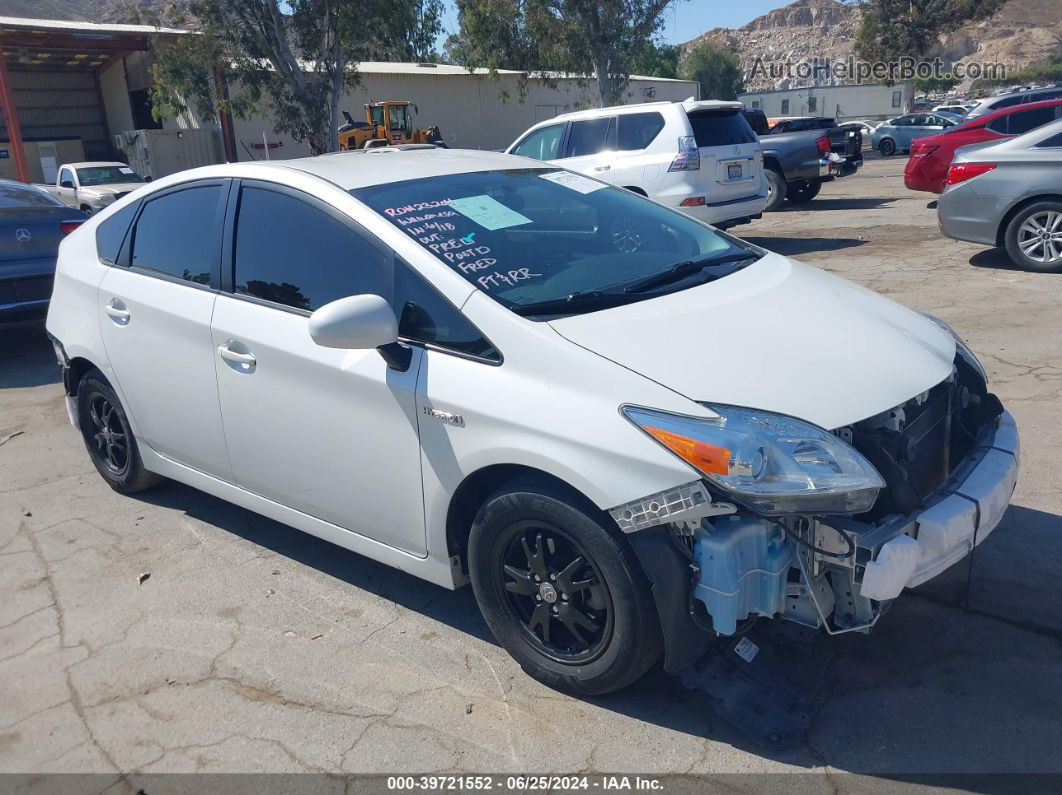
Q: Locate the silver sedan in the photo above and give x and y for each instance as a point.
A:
(1009, 194)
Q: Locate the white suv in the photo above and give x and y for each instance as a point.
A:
(701, 158)
(450, 362)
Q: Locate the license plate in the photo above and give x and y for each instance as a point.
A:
(733, 171)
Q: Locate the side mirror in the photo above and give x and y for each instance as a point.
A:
(360, 322)
(66, 183)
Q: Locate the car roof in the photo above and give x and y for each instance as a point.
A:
(96, 164)
(1003, 149)
(995, 114)
(359, 169)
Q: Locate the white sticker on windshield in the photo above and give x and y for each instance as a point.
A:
(576, 182)
(125, 170)
(488, 213)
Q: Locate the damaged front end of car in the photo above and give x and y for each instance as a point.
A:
(821, 529)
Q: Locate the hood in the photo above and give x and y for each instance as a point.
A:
(778, 335)
(113, 189)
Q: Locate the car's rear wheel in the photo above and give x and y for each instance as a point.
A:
(887, 147)
(801, 192)
(109, 438)
(776, 189)
(561, 591)
(1034, 237)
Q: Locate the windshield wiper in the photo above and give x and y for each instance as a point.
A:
(575, 302)
(683, 269)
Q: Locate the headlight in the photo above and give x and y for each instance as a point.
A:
(963, 349)
(773, 463)
(107, 198)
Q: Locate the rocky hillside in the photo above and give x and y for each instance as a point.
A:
(1022, 32)
(91, 10)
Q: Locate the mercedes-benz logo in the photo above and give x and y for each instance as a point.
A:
(23, 235)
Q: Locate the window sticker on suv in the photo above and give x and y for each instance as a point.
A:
(576, 182)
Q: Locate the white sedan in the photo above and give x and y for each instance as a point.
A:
(631, 432)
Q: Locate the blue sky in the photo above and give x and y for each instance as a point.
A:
(687, 19)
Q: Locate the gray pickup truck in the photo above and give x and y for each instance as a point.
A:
(797, 161)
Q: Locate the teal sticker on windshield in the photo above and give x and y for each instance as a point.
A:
(488, 213)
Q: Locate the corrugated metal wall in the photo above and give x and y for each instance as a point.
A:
(60, 104)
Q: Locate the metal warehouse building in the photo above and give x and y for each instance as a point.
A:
(80, 91)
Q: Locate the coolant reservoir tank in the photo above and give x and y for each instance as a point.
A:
(744, 562)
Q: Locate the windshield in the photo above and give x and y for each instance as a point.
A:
(106, 175)
(533, 236)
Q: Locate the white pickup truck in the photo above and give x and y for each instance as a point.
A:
(90, 187)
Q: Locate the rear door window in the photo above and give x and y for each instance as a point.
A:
(543, 144)
(293, 253)
(721, 128)
(590, 137)
(637, 130)
(178, 234)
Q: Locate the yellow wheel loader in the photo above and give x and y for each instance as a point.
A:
(387, 123)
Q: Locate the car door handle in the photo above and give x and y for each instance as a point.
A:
(602, 168)
(117, 312)
(246, 361)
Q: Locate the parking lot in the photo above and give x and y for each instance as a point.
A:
(176, 632)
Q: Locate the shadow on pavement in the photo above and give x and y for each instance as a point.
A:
(27, 358)
(821, 205)
(795, 246)
(457, 609)
(994, 258)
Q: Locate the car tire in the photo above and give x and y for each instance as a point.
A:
(803, 192)
(1034, 237)
(86, 209)
(561, 590)
(776, 189)
(887, 147)
(109, 438)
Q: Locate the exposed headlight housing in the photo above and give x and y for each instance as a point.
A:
(106, 198)
(961, 347)
(773, 463)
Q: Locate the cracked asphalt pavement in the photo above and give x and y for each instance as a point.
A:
(253, 647)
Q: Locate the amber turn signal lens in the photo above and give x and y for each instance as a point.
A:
(705, 457)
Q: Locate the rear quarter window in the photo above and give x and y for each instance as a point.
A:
(721, 128)
(110, 234)
(637, 130)
(14, 196)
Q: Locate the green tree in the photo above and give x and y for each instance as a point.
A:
(716, 68)
(930, 85)
(582, 37)
(297, 57)
(892, 29)
(654, 59)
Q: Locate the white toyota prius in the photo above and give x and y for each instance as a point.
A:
(632, 433)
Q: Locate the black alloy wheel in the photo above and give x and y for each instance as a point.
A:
(109, 435)
(554, 591)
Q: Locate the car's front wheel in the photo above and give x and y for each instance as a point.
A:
(109, 438)
(887, 147)
(561, 590)
(1034, 237)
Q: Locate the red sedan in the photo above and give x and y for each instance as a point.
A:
(931, 156)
